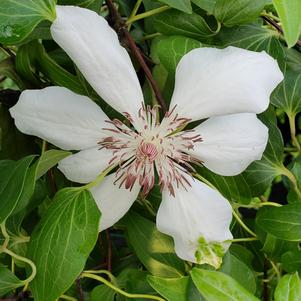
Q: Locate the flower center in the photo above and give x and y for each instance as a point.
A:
(161, 147)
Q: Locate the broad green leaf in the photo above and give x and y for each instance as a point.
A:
(13, 144)
(287, 95)
(217, 286)
(239, 271)
(49, 159)
(283, 222)
(207, 5)
(102, 292)
(289, 12)
(8, 281)
(172, 289)
(236, 12)
(295, 168)
(153, 248)
(233, 188)
(169, 50)
(183, 5)
(19, 18)
(12, 180)
(291, 261)
(62, 242)
(288, 288)
(173, 22)
(253, 37)
(260, 174)
(90, 4)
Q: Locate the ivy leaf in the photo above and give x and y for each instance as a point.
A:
(253, 37)
(173, 22)
(207, 5)
(288, 288)
(19, 18)
(287, 95)
(236, 12)
(183, 5)
(291, 261)
(49, 159)
(12, 185)
(219, 286)
(283, 222)
(8, 281)
(172, 289)
(62, 242)
(153, 248)
(289, 12)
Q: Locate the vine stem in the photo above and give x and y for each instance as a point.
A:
(119, 25)
(239, 220)
(292, 124)
(134, 12)
(106, 272)
(120, 291)
(286, 172)
(147, 14)
(243, 239)
(26, 260)
(65, 297)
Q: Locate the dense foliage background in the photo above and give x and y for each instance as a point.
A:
(40, 238)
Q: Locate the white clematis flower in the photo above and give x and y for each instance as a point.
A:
(227, 86)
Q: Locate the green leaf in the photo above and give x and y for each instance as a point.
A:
(8, 281)
(217, 286)
(283, 222)
(236, 12)
(287, 95)
(234, 188)
(172, 289)
(173, 22)
(90, 4)
(49, 159)
(61, 243)
(169, 50)
(260, 174)
(291, 261)
(289, 12)
(12, 180)
(7, 68)
(19, 18)
(183, 5)
(288, 288)
(253, 37)
(153, 248)
(102, 292)
(207, 5)
(239, 271)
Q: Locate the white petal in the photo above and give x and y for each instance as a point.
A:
(56, 114)
(199, 212)
(94, 47)
(86, 165)
(112, 201)
(212, 82)
(230, 143)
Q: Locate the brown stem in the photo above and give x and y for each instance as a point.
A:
(265, 284)
(80, 290)
(277, 26)
(120, 27)
(109, 259)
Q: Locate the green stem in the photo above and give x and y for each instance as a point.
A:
(6, 237)
(147, 14)
(44, 147)
(275, 268)
(65, 297)
(204, 180)
(286, 172)
(151, 36)
(99, 179)
(239, 220)
(269, 15)
(269, 204)
(106, 272)
(26, 260)
(292, 123)
(244, 239)
(118, 290)
(134, 12)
